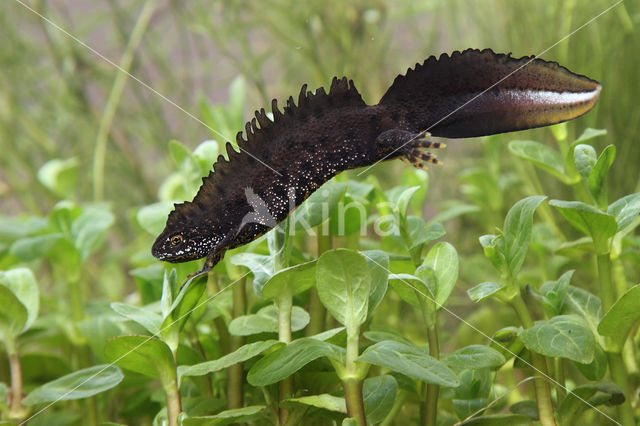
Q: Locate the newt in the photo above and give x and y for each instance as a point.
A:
(284, 159)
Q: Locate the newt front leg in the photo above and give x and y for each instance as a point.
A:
(409, 146)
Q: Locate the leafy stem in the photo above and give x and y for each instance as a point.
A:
(99, 157)
(430, 411)
(431, 405)
(543, 392)
(173, 402)
(606, 287)
(16, 410)
(619, 376)
(616, 364)
(317, 312)
(235, 373)
(353, 377)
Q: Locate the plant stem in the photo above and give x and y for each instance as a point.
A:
(317, 311)
(431, 405)
(560, 377)
(616, 365)
(355, 403)
(174, 407)
(235, 373)
(353, 379)
(16, 411)
(221, 326)
(99, 155)
(401, 397)
(606, 287)
(619, 376)
(543, 393)
(285, 387)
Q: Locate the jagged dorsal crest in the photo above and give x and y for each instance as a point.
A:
(225, 184)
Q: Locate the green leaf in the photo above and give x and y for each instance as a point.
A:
(318, 207)
(261, 266)
(324, 401)
(403, 200)
(555, 292)
(266, 321)
(584, 304)
(379, 336)
(443, 260)
(574, 404)
(517, 231)
(31, 248)
(474, 356)
(89, 229)
(234, 416)
(483, 290)
(379, 394)
(147, 318)
(546, 158)
(186, 303)
(473, 393)
(585, 158)
(474, 384)
(59, 176)
(625, 210)
(590, 133)
(526, 407)
(4, 394)
(169, 289)
(179, 153)
(597, 368)
(205, 155)
(96, 330)
(499, 420)
(378, 262)
(492, 248)
(564, 336)
(344, 283)
(598, 175)
(420, 233)
(411, 361)
(328, 334)
(590, 221)
(239, 355)
(12, 228)
(77, 385)
(22, 283)
(285, 361)
(290, 281)
(153, 217)
(142, 354)
(453, 209)
(410, 288)
(13, 316)
(618, 322)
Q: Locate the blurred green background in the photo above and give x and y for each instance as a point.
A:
(106, 138)
(61, 103)
(53, 91)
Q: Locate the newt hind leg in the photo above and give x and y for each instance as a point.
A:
(409, 147)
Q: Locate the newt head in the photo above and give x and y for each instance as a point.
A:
(183, 244)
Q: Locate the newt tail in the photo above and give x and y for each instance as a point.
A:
(468, 94)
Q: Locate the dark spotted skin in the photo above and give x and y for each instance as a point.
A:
(324, 134)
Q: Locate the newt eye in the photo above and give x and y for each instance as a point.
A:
(176, 239)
